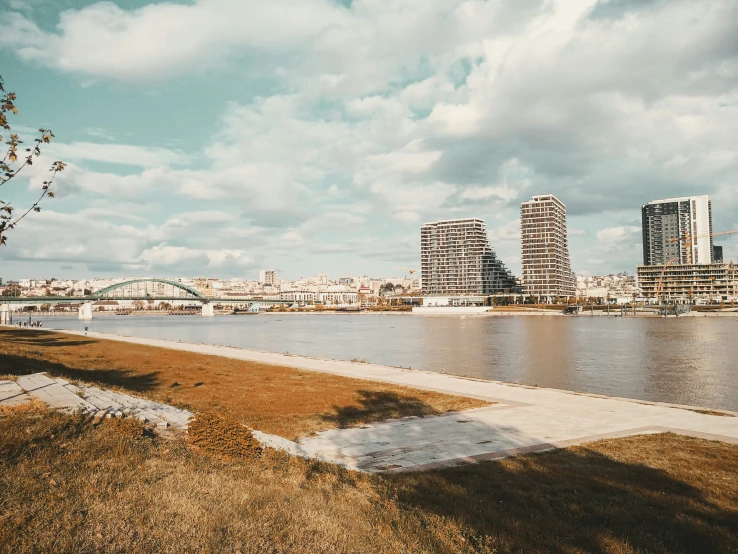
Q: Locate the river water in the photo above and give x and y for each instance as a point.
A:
(681, 360)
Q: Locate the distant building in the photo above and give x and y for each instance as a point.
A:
(299, 296)
(545, 248)
(456, 258)
(717, 254)
(667, 221)
(618, 288)
(103, 305)
(268, 277)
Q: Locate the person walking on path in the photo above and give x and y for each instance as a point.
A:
(86, 330)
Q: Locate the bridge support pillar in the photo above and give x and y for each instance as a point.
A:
(5, 317)
(207, 310)
(85, 311)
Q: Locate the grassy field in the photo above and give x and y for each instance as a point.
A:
(71, 484)
(68, 484)
(279, 400)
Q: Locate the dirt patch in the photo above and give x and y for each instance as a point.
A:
(128, 427)
(223, 437)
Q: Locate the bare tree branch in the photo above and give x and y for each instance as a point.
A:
(7, 172)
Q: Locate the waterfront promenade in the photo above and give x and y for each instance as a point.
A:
(524, 419)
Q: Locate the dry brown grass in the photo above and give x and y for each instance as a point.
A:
(68, 484)
(223, 437)
(279, 400)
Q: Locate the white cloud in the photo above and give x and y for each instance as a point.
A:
(617, 234)
(163, 39)
(99, 133)
(123, 154)
(508, 232)
(94, 238)
(486, 193)
(163, 256)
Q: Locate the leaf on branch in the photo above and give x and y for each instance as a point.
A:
(50, 194)
(12, 156)
(37, 209)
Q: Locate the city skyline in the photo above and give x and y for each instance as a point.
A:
(665, 226)
(248, 150)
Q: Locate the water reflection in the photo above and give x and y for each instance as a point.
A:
(546, 353)
(685, 360)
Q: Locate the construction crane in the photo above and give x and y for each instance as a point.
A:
(410, 272)
(688, 238)
(660, 284)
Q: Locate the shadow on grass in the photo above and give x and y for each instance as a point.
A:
(28, 337)
(582, 500)
(21, 365)
(32, 361)
(377, 406)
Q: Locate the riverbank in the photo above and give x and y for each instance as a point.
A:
(64, 480)
(264, 390)
(272, 398)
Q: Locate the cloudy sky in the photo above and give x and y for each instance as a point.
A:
(217, 137)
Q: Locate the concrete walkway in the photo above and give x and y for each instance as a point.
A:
(63, 395)
(526, 419)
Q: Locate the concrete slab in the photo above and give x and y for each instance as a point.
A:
(46, 389)
(11, 394)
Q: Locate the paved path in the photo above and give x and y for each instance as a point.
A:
(526, 419)
(63, 395)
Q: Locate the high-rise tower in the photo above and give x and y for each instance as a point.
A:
(546, 261)
(456, 258)
(668, 223)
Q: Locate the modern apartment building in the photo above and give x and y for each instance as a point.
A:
(688, 283)
(457, 259)
(545, 246)
(665, 222)
(268, 277)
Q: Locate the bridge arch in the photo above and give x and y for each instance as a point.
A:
(189, 292)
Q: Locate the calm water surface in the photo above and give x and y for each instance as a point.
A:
(685, 361)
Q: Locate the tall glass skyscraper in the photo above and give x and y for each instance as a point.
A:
(677, 230)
